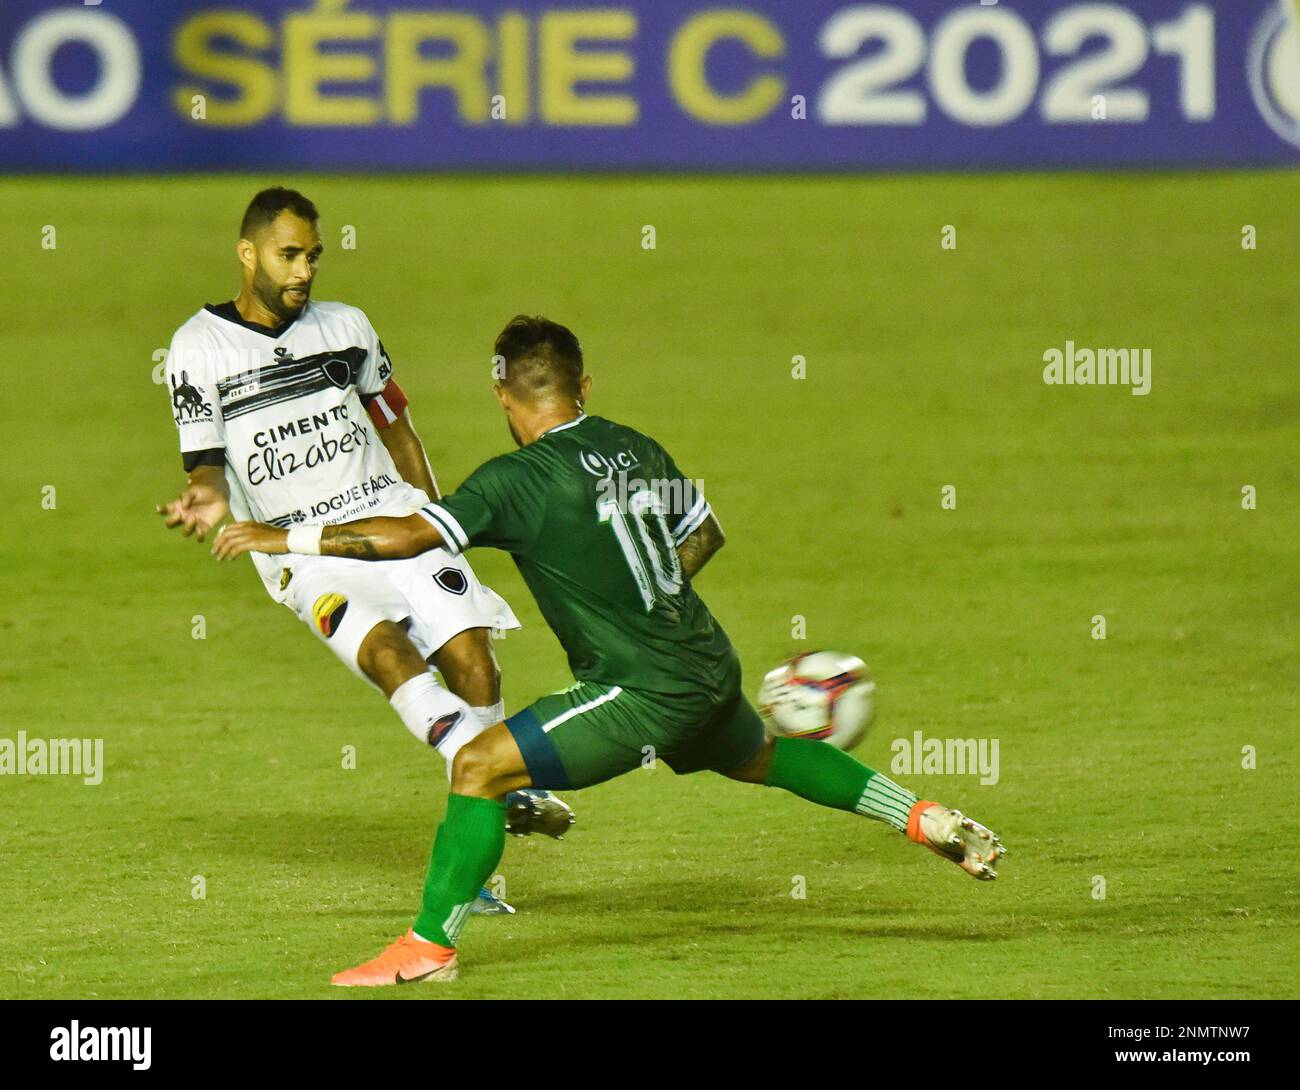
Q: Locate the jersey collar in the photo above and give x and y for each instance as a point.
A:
(230, 313)
(565, 426)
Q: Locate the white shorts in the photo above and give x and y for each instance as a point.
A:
(436, 594)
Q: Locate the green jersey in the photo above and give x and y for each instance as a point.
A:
(592, 513)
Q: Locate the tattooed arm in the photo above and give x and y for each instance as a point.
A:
(698, 549)
(380, 538)
(365, 539)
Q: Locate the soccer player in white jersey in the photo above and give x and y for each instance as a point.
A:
(289, 414)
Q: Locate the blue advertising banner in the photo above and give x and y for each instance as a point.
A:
(366, 85)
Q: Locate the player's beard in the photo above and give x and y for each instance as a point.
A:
(271, 296)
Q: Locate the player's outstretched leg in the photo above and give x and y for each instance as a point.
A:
(825, 775)
(466, 851)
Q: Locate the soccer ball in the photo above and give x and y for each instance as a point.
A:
(825, 695)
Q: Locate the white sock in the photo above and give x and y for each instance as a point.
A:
(491, 716)
(425, 707)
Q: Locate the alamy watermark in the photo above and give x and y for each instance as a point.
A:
(23, 756)
(672, 496)
(1100, 367)
(116, 1044)
(922, 756)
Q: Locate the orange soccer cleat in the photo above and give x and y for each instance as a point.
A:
(953, 835)
(404, 962)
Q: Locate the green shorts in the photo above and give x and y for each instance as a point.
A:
(592, 732)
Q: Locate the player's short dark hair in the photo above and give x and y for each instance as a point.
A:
(263, 209)
(542, 358)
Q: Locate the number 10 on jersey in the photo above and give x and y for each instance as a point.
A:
(655, 545)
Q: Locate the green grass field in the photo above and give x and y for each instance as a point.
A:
(1120, 758)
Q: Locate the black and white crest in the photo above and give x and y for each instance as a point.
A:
(452, 580)
(338, 370)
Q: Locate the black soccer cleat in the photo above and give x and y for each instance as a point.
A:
(530, 810)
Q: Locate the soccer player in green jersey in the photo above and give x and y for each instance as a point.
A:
(608, 534)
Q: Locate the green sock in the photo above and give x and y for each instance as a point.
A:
(825, 775)
(466, 850)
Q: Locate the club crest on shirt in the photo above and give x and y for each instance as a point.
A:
(285, 575)
(328, 613)
(338, 371)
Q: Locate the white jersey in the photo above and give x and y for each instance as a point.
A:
(284, 413)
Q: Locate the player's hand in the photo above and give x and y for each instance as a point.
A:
(249, 537)
(196, 510)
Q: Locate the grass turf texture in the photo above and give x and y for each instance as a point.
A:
(1120, 758)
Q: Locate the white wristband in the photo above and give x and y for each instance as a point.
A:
(305, 540)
